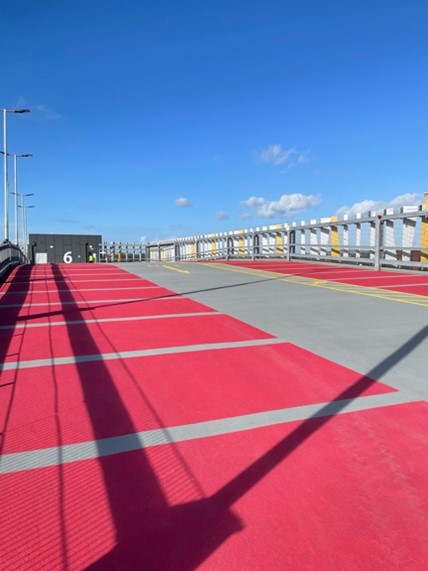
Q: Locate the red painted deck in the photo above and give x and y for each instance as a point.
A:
(407, 282)
(337, 492)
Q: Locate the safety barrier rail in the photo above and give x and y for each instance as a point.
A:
(121, 252)
(10, 256)
(388, 239)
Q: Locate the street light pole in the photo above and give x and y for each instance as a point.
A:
(15, 178)
(15, 186)
(5, 173)
(24, 225)
(6, 186)
(24, 219)
(15, 173)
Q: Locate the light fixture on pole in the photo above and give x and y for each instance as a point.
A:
(15, 179)
(24, 219)
(5, 178)
(24, 226)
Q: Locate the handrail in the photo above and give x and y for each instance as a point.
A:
(10, 256)
(386, 239)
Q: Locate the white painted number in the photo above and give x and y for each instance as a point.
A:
(68, 258)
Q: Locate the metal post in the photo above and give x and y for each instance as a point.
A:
(15, 177)
(5, 181)
(25, 230)
(15, 186)
(377, 242)
(5, 173)
(23, 222)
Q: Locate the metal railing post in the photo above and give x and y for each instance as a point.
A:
(378, 241)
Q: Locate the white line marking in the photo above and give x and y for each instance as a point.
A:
(53, 456)
(49, 291)
(107, 320)
(75, 359)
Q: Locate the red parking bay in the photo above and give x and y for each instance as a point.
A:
(93, 339)
(81, 293)
(120, 308)
(317, 494)
(111, 398)
(43, 285)
(406, 282)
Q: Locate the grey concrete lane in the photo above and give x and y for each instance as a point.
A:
(384, 339)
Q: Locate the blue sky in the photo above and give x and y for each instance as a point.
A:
(152, 120)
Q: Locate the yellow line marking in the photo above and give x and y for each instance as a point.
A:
(402, 297)
(177, 269)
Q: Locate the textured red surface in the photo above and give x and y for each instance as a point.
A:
(166, 390)
(416, 283)
(413, 289)
(342, 492)
(81, 294)
(43, 285)
(101, 310)
(347, 493)
(92, 338)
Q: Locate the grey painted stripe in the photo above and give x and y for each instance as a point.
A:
(55, 280)
(54, 456)
(48, 291)
(414, 284)
(70, 271)
(56, 361)
(107, 320)
(377, 277)
(176, 297)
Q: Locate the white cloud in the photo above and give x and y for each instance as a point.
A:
(408, 199)
(276, 156)
(183, 202)
(222, 216)
(287, 204)
(253, 202)
(366, 205)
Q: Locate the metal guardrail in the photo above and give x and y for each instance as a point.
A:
(391, 239)
(10, 256)
(121, 252)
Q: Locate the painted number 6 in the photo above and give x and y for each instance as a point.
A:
(68, 258)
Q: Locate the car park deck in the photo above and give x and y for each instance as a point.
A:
(241, 416)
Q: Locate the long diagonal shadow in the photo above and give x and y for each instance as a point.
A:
(237, 487)
(75, 310)
(5, 344)
(152, 535)
(192, 531)
(148, 535)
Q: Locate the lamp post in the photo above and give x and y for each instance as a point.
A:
(24, 225)
(5, 178)
(24, 218)
(15, 178)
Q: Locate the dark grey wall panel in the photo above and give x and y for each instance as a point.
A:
(60, 248)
